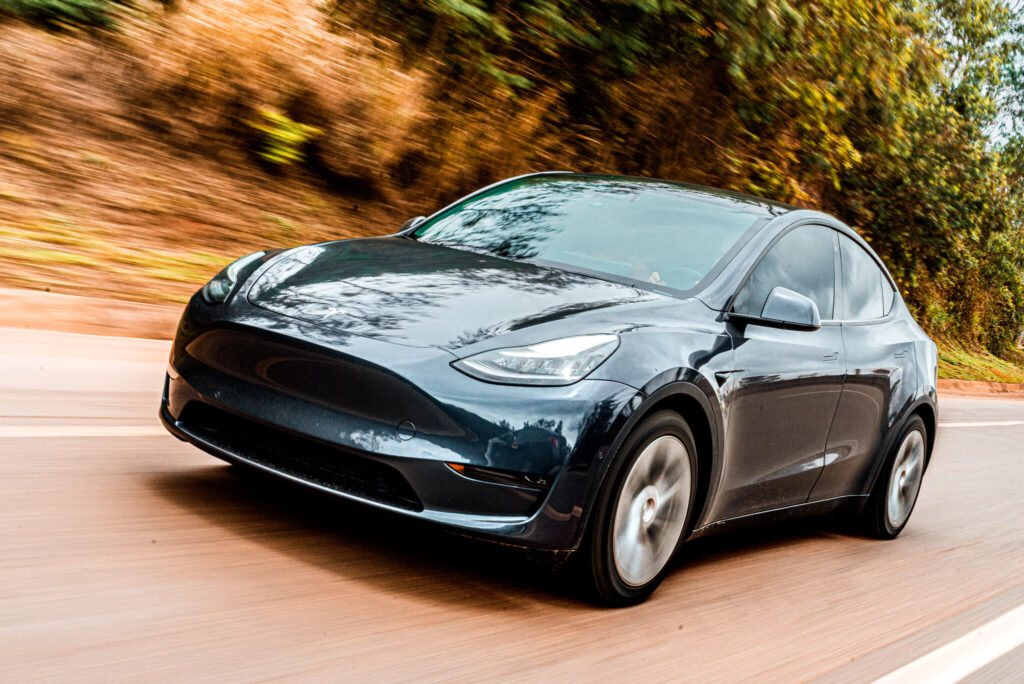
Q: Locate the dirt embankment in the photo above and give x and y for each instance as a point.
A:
(133, 165)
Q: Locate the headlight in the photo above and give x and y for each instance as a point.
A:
(218, 289)
(557, 362)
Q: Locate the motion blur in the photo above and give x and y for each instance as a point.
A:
(145, 144)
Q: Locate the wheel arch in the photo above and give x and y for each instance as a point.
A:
(689, 397)
(689, 403)
(923, 407)
(926, 410)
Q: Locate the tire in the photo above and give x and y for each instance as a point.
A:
(896, 490)
(643, 511)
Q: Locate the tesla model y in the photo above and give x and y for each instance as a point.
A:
(598, 366)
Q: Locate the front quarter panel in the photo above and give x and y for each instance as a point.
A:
(689, 354)
(667, 343)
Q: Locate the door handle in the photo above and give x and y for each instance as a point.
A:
(901, 354)
(834, 356)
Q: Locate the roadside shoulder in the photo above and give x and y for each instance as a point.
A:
(38, 310)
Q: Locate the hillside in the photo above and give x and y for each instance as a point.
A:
(145, 144)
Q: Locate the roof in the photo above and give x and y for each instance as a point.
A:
(771, 207)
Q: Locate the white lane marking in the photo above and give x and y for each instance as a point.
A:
(42, 431)
(961, 657)
(991, 423)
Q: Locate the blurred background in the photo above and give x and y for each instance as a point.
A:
(145, 144)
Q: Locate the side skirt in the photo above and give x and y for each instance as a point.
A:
(850, 503)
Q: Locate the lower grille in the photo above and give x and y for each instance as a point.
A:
(300, 457)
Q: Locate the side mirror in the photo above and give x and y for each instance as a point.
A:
(412, 224)
(784, 309)
(791, 309)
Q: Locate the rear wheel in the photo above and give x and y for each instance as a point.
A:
(895, 493)
(642, 511)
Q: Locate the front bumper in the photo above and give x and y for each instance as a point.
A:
(378, 423)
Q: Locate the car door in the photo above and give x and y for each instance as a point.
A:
(880, 372)
(780, 399)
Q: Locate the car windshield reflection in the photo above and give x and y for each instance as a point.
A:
(652, 232)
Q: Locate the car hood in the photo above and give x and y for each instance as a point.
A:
(418, 294)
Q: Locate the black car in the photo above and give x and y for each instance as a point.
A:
(599, 366)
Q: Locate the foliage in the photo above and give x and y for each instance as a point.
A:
(788, 71)
(283, 140)
(945, 208)
(63, 13)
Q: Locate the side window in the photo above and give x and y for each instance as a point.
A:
(864, 285)
(802, 261)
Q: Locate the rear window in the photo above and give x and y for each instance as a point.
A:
(866, 291)
(650, 232)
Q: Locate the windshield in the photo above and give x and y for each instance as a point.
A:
(652, 232)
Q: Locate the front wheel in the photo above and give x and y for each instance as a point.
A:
(896, 490)
(642, 511)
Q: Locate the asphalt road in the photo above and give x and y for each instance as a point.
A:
(127, 555)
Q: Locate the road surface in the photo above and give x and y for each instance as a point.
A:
(127, 555)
